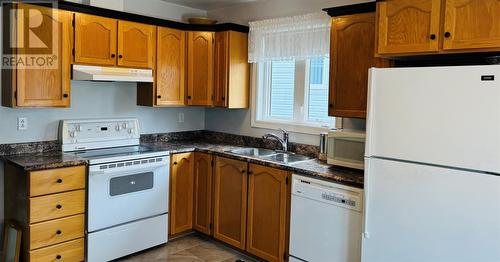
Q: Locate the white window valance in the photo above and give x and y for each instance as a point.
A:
(296, 37)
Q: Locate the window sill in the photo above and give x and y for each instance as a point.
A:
(292, 127)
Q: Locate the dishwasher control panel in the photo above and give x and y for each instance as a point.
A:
(328, 192)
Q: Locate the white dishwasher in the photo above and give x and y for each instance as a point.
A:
(325, 222)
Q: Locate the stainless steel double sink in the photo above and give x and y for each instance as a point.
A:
(271, 155)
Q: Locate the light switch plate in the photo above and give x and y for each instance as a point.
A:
(181, 117)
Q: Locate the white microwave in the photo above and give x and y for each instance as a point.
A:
(346, 148)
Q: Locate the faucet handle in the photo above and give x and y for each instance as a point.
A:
(283, 130)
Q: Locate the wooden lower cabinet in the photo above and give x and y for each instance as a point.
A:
(181, 193)
(267, 212)
(243, 205)
(230, 201)
(51, 214)
(202, 212)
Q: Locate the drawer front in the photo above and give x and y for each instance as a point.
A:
(68, 251)
(56, 180)
(58, 205)
(56, 231)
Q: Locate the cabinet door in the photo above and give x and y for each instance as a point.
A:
(200, 68)
(136, 44)
(171, 67)
(471, 24)
(221, 68)
(352, 54)
(267, 212)
(230, 201)
(202, 193)
(181, 193)
(45, 86)
(95, 40)
(408, 26)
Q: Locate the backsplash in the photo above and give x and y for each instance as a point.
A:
(203, 135)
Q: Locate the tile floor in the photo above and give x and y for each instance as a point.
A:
(191, 248)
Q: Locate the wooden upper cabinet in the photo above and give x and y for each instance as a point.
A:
(221, 66)
(471, 24)
(202, 213)
(95, 40)
(408, 26)
(267, 212)
(200, 68)
(352, 54)
(231, 88)
(47, 85)
(170, 67)
(136, 44)
(230, 201)
(181, 193)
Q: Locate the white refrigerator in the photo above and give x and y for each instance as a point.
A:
(432, 166)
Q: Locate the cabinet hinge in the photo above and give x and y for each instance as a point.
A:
(15, 94)
(73, 52)
(211, 226)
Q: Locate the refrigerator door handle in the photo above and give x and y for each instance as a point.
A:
(366, 233)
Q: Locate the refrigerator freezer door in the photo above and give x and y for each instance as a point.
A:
(446, 116)
(425, 213)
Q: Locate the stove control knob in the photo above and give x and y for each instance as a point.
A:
(125, 125)
(78, 128)
(118, 127)
(72, 133)
(130, 130)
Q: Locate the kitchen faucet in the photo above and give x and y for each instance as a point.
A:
(283, 141)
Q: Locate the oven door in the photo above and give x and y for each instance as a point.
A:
(127, 191)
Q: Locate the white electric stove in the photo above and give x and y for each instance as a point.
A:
(127, 192)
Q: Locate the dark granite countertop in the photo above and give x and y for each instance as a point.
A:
(313, 167)
(43, 160)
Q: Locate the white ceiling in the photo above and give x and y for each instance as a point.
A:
(210, 4)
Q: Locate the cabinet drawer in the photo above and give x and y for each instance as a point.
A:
(55, 206)
(68, 251)
(56, 231)
(57, 180)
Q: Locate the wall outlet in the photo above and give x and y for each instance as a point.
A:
(181, 118)
(22, 123)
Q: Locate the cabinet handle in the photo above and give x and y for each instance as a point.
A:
(189, 97)
(58, 257)
(175, 163)
(58, 232)
(158, 97)
(447, 34)
(330, 105)
(223, 98)
(249, 172)
(120, 56)
(113, 55)
(243, 171)
(433, 37)
(59, 181)
(59, 206)
(65, 95)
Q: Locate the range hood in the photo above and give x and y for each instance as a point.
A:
(113, 74)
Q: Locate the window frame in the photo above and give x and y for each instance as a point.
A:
(260, 99)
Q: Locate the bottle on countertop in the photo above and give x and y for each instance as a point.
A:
(323, 144)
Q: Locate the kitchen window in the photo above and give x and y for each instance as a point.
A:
(293, 94)
(290, 73)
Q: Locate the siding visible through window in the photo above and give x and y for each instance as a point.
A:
(282, 89)
(318, 90)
